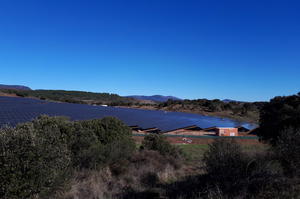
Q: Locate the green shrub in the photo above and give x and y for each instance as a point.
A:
(34, 159)
(101, 142)
(119, 150)
(37, 157)
(108, 129)
(159, 143)
(85, 147)
(117, 154)
(225, 163)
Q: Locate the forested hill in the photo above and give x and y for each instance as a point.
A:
(155, 98)
(80, 97)
(14, 87)
(245, 111)
(242, 111)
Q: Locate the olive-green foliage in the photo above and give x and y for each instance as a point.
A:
(99, 142)
(159, 143)
(216, 105)
(280, 113)
(85, 147)
(36, 157)
(118, 150)
(107, 129)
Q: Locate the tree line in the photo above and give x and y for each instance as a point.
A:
(233, 109)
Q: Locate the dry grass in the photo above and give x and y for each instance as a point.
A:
(145, 170)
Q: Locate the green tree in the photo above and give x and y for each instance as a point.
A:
(108, 129)
(279, 114)
(85, 147)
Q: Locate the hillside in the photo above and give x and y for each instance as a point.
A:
(14, 87)
(156, 98)
(80, 97)
(242, 111)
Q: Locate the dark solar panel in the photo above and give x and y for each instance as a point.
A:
(17, 110)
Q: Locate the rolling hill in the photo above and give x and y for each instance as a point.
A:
(156, 98)
(14, 87)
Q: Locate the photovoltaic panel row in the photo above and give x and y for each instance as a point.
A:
(16, 110)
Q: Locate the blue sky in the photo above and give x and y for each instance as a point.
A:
(243, 50)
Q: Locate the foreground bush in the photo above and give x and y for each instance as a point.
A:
(37, 157)
(231, 173)
(225, 163)
(34, 158)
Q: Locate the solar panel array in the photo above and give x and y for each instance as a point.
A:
(17, 110)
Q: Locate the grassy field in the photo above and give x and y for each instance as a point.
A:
(194, 152)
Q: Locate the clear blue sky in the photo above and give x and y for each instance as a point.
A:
(243, 50)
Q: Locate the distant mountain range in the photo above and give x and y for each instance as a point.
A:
(14, 87)
(228, 100)
(157, 98)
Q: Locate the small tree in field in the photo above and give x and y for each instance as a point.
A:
(225, 161)
(159, 143)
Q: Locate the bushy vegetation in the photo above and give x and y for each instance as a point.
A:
(237, 110)
(159, 143)
(280, 126)
(232, 173)
(38, 156)
(33, 160)
(238, 174)
(281, 113)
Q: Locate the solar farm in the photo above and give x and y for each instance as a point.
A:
(15, 110)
